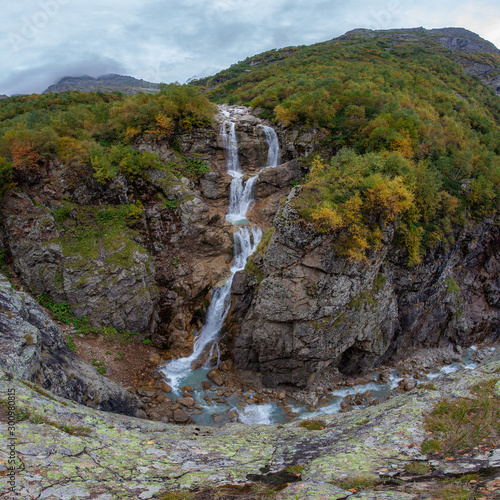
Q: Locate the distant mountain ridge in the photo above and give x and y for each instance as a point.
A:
(105, 83)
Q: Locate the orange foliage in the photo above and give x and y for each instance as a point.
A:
(24, 157)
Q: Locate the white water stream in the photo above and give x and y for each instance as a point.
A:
(246, 239)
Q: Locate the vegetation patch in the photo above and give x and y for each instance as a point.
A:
(251, 491)
(62, 312)
(455, 491)
(357, 483)
(87, 231)
(460, 425)
(313, 425)
(418, 468)
(410, 140)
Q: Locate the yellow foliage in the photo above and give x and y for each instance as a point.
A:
(403, 145)
(325, 218)
(285, 116)
(72, 150)
(388, 198)
(131, 133)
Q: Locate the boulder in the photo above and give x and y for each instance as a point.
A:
(215, 376)
(180, 417)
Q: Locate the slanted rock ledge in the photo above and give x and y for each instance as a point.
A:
(33, 348)
(68, 451)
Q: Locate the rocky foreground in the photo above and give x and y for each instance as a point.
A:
(68, 451)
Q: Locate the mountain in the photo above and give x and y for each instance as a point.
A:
(376, 231)
(478, 57)
(106, 83)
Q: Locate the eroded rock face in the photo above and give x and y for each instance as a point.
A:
(308, 315)
(33, 348)
(153, 277)
(107, 292)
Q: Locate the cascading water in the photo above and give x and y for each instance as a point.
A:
(246, 239)
(245, 243)
(273, 154)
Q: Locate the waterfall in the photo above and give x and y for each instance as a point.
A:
(273, 154)
(245, 243)
(230, 142)
(246, 239)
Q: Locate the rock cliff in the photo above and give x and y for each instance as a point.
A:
(302, 315)
(33, 349)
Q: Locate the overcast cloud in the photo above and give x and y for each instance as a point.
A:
(173, 40)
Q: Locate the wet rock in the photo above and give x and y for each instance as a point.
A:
(165, 387)
(215, 376)
(205, 385)
(187, 388)
(186, 401)
(233, 413)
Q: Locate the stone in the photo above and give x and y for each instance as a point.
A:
(215, 376)
(165, 387)
(410, 385)
(205, 385)
(180, 417)
(186, 401)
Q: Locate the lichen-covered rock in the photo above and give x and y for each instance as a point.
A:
(33, 348)
(64, 450)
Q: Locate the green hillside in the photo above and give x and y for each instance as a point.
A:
(96, 130)
(407, 135)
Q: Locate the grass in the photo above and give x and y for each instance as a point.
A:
(253, 491)
(62, 312)
(418, 468)
(462, 424)
(99, 366)
(313, 425)
(357, 483)
(454, 491)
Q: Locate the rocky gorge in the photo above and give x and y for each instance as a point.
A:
(302, 318)
(196, 291)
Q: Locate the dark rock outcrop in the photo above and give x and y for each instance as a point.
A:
(105, 83)
(463, 42)
(308, 316)
(33, 349)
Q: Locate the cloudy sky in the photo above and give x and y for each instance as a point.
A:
(173, 40)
